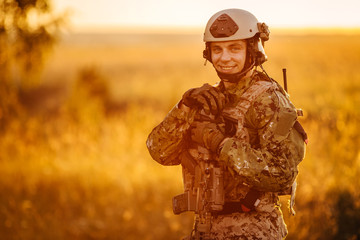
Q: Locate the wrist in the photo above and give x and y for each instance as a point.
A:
(182, 115)
(183, 107)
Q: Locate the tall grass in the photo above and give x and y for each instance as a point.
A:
(75, 165)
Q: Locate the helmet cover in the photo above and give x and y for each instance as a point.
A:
(231, 24)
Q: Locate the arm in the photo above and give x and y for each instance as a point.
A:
(166, 141)
(272, 165)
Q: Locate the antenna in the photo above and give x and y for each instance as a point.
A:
(285, 79)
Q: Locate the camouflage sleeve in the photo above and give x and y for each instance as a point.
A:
(166, 141)
(272, 164)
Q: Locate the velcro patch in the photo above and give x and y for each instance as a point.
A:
(223, 26)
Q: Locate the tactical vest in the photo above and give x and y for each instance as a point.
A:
(208, 184)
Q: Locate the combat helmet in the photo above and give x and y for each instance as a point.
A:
(238, 24)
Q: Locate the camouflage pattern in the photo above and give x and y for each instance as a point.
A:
(166, 141)
(249, 226)
(268, 159)
(262, 153)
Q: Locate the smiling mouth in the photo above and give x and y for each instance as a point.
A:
(227, 68)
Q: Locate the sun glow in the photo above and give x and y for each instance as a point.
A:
(112, 14)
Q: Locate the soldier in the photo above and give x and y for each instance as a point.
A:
(237, 141)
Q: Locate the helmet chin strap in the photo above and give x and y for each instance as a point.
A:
(235, 77)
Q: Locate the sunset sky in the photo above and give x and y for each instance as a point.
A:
(195, 13)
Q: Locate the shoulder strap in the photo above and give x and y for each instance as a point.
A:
(246, 100)
(237, 114)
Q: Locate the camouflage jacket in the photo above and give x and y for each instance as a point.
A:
(265, 156)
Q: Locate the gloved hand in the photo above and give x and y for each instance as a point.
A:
(206, 97)
(208, 134)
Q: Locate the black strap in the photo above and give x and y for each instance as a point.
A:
(230, 207)
(250, 199)
(249, 202)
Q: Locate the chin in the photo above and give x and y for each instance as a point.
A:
(229, 72)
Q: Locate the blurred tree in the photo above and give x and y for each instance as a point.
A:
(28, 29)
(347, 217)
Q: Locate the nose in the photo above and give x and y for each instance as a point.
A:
(225, 56)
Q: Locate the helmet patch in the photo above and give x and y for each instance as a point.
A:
(223, 26)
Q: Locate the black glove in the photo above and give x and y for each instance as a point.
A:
(208, 134)
(206, 97)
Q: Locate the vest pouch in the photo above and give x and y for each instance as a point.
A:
(215, 191)
(184, 202)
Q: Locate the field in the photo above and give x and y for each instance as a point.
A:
(75, 164)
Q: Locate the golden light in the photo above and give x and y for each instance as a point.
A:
(112, 14)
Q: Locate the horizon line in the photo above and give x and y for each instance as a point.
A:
(177, 29)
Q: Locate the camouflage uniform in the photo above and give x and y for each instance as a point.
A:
(262, 153)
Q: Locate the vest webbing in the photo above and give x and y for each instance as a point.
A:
(237, 113)
(246, 100)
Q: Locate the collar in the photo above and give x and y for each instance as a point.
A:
(240, 86)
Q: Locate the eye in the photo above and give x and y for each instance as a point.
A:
(216, 49)
(236, 48)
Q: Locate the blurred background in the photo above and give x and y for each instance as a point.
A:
(84, 82)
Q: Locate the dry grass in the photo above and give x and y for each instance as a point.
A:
(76, 165)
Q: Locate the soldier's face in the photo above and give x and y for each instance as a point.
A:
(228, 57)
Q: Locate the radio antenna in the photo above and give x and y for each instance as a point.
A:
(285, 79)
